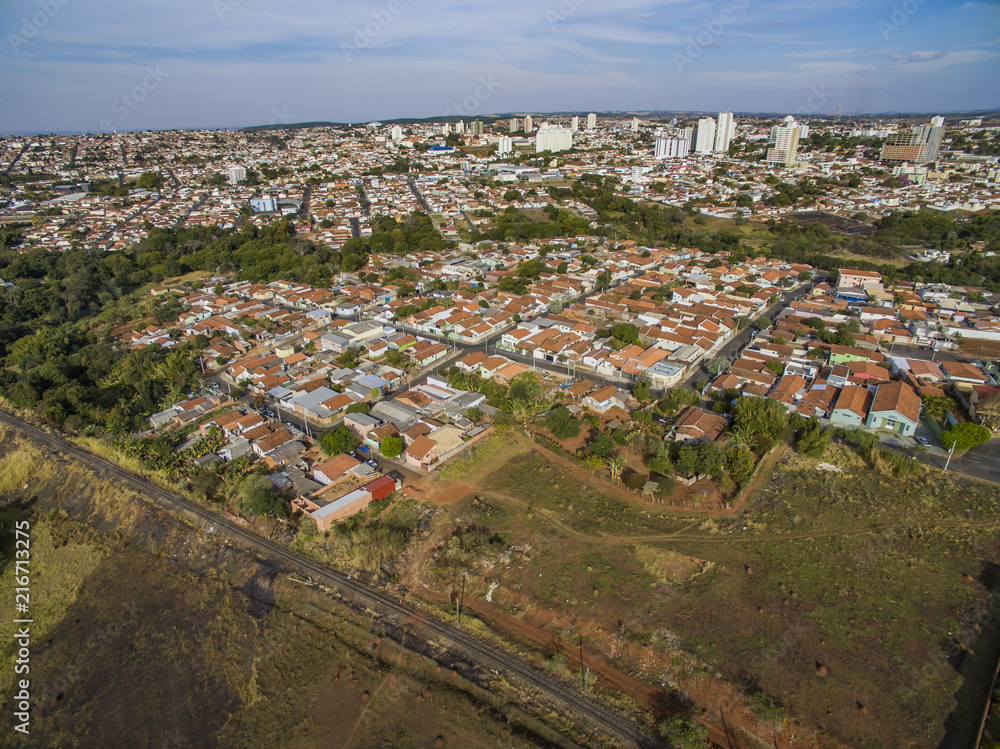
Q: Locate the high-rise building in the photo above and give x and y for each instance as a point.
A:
(515, 124)
(397, 133)
(705, 136)
(505, 145)
(574, 124)
(786, 142)
(724, 131)
(591, 121)
(529, 124)
(635, 124)
(919, 144)
(446, 129)
(688, 135)
(939, 121)
(554, 139)
(237, 174)
(460, 127)
(476, 127)
(671, 148)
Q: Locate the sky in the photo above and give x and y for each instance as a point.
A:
(98, 65)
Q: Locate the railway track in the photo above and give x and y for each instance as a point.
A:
(481, 654)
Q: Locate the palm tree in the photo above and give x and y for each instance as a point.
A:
(616, 463)
(743, 436)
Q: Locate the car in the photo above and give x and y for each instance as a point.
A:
(923, 441)
(372, 463)
(363, 449)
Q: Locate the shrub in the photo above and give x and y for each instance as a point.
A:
(634, 481)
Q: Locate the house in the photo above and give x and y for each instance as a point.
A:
(897, 407)
(361, 424)
(965, 374)
(335, 469)
(696, 425)
(852, 406)
(325, 512)
(606, 398)
(420, 453)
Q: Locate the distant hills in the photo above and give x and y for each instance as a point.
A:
(655, 113)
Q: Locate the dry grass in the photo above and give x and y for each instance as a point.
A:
(670, 567)
(17, 467)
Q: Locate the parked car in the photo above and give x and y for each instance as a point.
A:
(363, 449)
(923, 441)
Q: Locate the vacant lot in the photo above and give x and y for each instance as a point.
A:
(836, 594)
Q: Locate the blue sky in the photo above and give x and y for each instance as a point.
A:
(88, 65)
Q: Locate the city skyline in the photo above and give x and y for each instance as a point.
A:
(235, 63)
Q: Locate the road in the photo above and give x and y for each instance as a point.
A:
(741, 340)
(553, 367)
(471, 649)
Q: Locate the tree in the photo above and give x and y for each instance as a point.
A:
(717, 365)
(150, 181)
(650, 488)
(683, 732)
(813, 440)
(391, 447)
(937, 405)
(641, 391)
(341, 440)
(739, 463)
(989, 411)
(776, 366)
(525, 386)
(602, 446)
(358, 408)
(761, 416)
(965, 436)
(625, 332)
(474, 415)
(256, 498)
(562, 424)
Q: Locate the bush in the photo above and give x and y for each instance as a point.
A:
(683, 731)
(634, 481)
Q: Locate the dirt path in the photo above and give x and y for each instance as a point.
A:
(361, 717)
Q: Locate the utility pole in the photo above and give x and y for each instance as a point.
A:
(461, 601)
(950, 453)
